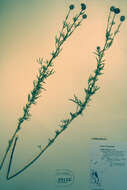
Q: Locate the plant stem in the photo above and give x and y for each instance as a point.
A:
(11, 157)
(44, 72)
(73, 116)
(91, 89)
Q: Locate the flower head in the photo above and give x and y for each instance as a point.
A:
(116, 10)
(84, 16)
(83, 6)
(112, 8)
(122, 18)
(98, 48)
(71, 7)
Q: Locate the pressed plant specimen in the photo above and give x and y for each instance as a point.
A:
(45, 72)
(46, 68)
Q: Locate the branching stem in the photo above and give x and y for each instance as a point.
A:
(45, 70)
(89, 91)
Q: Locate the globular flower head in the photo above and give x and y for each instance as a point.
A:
(116, 10)
(84, 16)
(83, 6)
(71, 7)
(98, 48)
(112, 8)
(122, 18)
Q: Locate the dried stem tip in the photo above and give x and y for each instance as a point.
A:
(84, 16)
(112, 8)
(98, 48)
(122, 18)
(71, 7)
(116, 10)
(83, 6)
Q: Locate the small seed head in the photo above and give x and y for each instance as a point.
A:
(98, 48)
(84, 16)
(83, 6)
(71, 7)
(116, 10)
(122, 18)
(112, 8)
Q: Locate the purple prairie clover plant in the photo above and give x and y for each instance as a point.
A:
(46, 69)
(92, 88)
